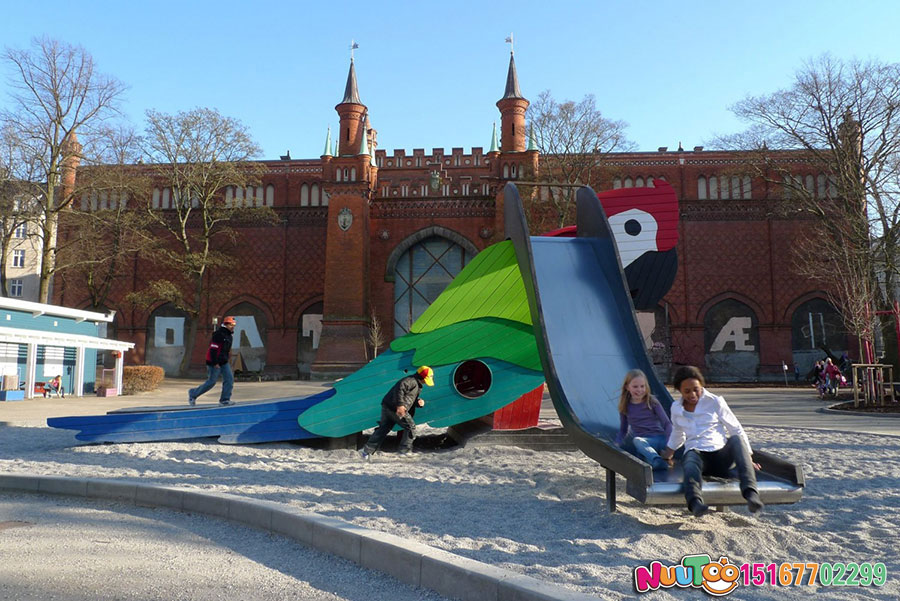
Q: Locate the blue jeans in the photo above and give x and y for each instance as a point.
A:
(697, 464)
(212, 374)
(648, 448)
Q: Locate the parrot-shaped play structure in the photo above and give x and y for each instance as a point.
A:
(558, 309)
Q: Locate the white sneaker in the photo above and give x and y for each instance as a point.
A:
(226, 402)
(364, 454)
(191, 400)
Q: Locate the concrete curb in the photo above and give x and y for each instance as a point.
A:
(412, 563)
(831, 409)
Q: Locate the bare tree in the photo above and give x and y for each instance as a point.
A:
(573, 138)
(842, 119)
(17, 207)
(107, 225)
(197, 154)
(376, 335)
(56, 96)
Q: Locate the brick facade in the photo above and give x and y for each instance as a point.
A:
(730, 249)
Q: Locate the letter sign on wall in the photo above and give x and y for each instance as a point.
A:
(736, 330)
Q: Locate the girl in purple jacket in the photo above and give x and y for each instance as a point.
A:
(645, 417)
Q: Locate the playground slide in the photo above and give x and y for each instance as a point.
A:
(588, 337)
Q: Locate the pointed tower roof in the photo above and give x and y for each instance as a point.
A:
(495, 147)
(512, 81)
(364, 145)
(351, 93)
(327, 152)
(532, 141)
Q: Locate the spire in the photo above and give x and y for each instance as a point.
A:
(512, 80)
(532, 141)
(351, 93)
(495, 147)
(364, 145)
(327, 152)
(334, 149)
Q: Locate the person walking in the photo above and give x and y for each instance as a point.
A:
(397, 408)
(217, 363)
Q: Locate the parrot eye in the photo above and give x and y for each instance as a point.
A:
(632, 227)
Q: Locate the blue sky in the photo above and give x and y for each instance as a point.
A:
(431, 73)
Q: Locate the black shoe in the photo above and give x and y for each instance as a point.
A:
(754, 503)
(698, 508)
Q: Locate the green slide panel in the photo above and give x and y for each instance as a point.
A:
(490, 285)
(509, 341)
(356, 405)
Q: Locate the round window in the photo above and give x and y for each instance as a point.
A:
(472, 379)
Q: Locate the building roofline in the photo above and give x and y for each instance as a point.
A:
(36, 309)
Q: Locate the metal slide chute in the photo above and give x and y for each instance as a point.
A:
(588, 338)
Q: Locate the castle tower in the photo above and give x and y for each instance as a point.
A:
(349, 180)
(513, 137)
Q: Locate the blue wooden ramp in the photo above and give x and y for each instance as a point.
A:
(254, 422)
(588, 338)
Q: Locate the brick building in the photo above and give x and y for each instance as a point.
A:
(367, 232)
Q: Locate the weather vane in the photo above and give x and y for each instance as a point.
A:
(509, 40)
(353, 46)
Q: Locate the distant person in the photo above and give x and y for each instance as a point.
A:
(397, 408)
(819, 378)
(645, 417)
(54, 386)
(217, 363)
(845, 364)
(832, 377)
(713, 441)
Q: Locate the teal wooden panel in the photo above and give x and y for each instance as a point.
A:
(356, 404)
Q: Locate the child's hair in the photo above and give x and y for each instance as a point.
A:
(687, 372)
(625, 398)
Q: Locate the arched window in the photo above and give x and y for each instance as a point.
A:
(421, 274)
(701, 187)
(735, 187)
(314, 195)
(229, 195)
(352, 174)
(165, 198)
(629, 183)
(821, 190)
(747, 194)
(639, 182)
(810, 185)
(731, 339)
(259, 196)
(270, 195)
(713, 188)
(505, 171)
(617, 183)
(304, 195)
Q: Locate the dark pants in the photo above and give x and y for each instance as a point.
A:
(389, 419)
(697, 464)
